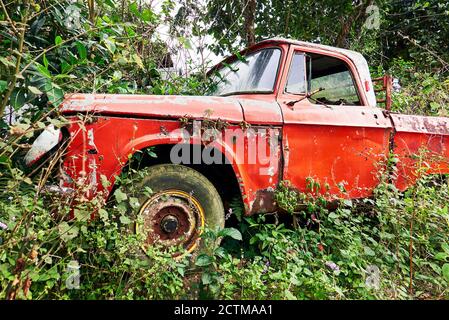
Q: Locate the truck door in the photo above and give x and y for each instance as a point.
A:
(330, 133)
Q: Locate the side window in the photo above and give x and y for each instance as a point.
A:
(296, 82)
(334, 78)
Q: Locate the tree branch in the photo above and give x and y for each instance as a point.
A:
(19, 52)
(8, 18)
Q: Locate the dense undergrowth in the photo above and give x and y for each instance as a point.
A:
(394, 245)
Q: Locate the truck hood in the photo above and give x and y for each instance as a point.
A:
(196, 107)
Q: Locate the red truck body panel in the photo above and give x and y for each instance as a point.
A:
(342, 147)
(261, 109)
(159, 107)
(420, 142)
(114, 139)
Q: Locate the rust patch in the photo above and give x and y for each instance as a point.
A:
(264, 201)
(244, 125)
(184, 121)
(164, 130)
(420, 124)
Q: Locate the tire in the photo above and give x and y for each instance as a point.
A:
(182, 203)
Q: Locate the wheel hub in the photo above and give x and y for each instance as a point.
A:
(172, 218)
(169, 223)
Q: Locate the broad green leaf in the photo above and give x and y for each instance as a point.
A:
(147, 15)
(308, 272)
(110, 3)
(103, 215)
(17, 99)
(368, 251)
(4, 159)
(151, 153)
(34, 90)
(120, 196)
(134, 202)
(43, 70)
(67, 232)
(41, 125)
(441, 256)
(44, 59)
(434, 106)
(332, 215)
(445, 271)
(3, 85)
(117, 75)
(55, 95)
(81, 215)
(289, 295)
(347, 203)
(104, 181)
(4, 270)
(58, 40)
(147, 191)
(137, 60)
(206, 278)
(231, 232)
(125, 220)
(82, 51)
(203, 260)
(65, 67)
(133, 9)
(435, 268)
(445, 247)
(110, 45)
(130, 31)
(26, 179)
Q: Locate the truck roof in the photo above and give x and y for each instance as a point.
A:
(349, 53)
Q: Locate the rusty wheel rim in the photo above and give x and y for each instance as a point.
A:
(171, 218)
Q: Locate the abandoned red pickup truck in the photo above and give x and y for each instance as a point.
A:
(288, 110)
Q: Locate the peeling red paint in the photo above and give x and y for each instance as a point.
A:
(341, 146)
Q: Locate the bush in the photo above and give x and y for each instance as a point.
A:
(392, 246)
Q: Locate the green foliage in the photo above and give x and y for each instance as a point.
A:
(360, 250)
(63, 50)
(384, 32)
(393, 246)
(286, 197)
(422, 91)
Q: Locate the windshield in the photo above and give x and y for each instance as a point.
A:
(256, 72)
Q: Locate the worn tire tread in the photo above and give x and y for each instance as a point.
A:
(162, 176)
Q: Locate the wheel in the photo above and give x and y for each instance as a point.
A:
(183, 202)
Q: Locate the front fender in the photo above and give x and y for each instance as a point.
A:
(100, 149)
